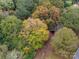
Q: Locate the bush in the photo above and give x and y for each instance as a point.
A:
(49, 22)
(35, 32)
(10, 27)
(45, 3)
(68, 3)
(57, 3)
(6, 4)
(25, 9)
(30, 55)
(14, 54)
(2, 16)
(3, 51)
(65, 42)
(37, 2)
(71, 19)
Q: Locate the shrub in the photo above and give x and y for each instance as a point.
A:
(65, 42)
(35, 32)
(46, 3)
(3, 51)
(49, 21)
(6, 4)
(25, 9)
(10, 27)
(30, 55)
(37, 2)
(57, 3)
(14, 54)
(2, 16)
(68, 3)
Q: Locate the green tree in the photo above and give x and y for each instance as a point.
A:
(65, 42)
(10, 27)
(24, 8)
(71, 18)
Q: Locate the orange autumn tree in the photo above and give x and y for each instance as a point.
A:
(44, 13)
(54, 13)
(41, 12)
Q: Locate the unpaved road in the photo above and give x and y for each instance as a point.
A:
(46, 52)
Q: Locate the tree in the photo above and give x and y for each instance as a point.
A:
(24, 8)
(34, 32)
(41, 12)
(10, 27)
(65, 42)
(54, 13)
(71, 18)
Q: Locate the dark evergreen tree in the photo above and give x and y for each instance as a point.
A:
(24, 8)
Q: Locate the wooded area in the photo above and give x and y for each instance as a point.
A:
(39, 29)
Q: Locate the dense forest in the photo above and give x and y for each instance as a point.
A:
(39, 29)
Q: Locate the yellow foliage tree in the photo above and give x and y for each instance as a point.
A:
(35, 32)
